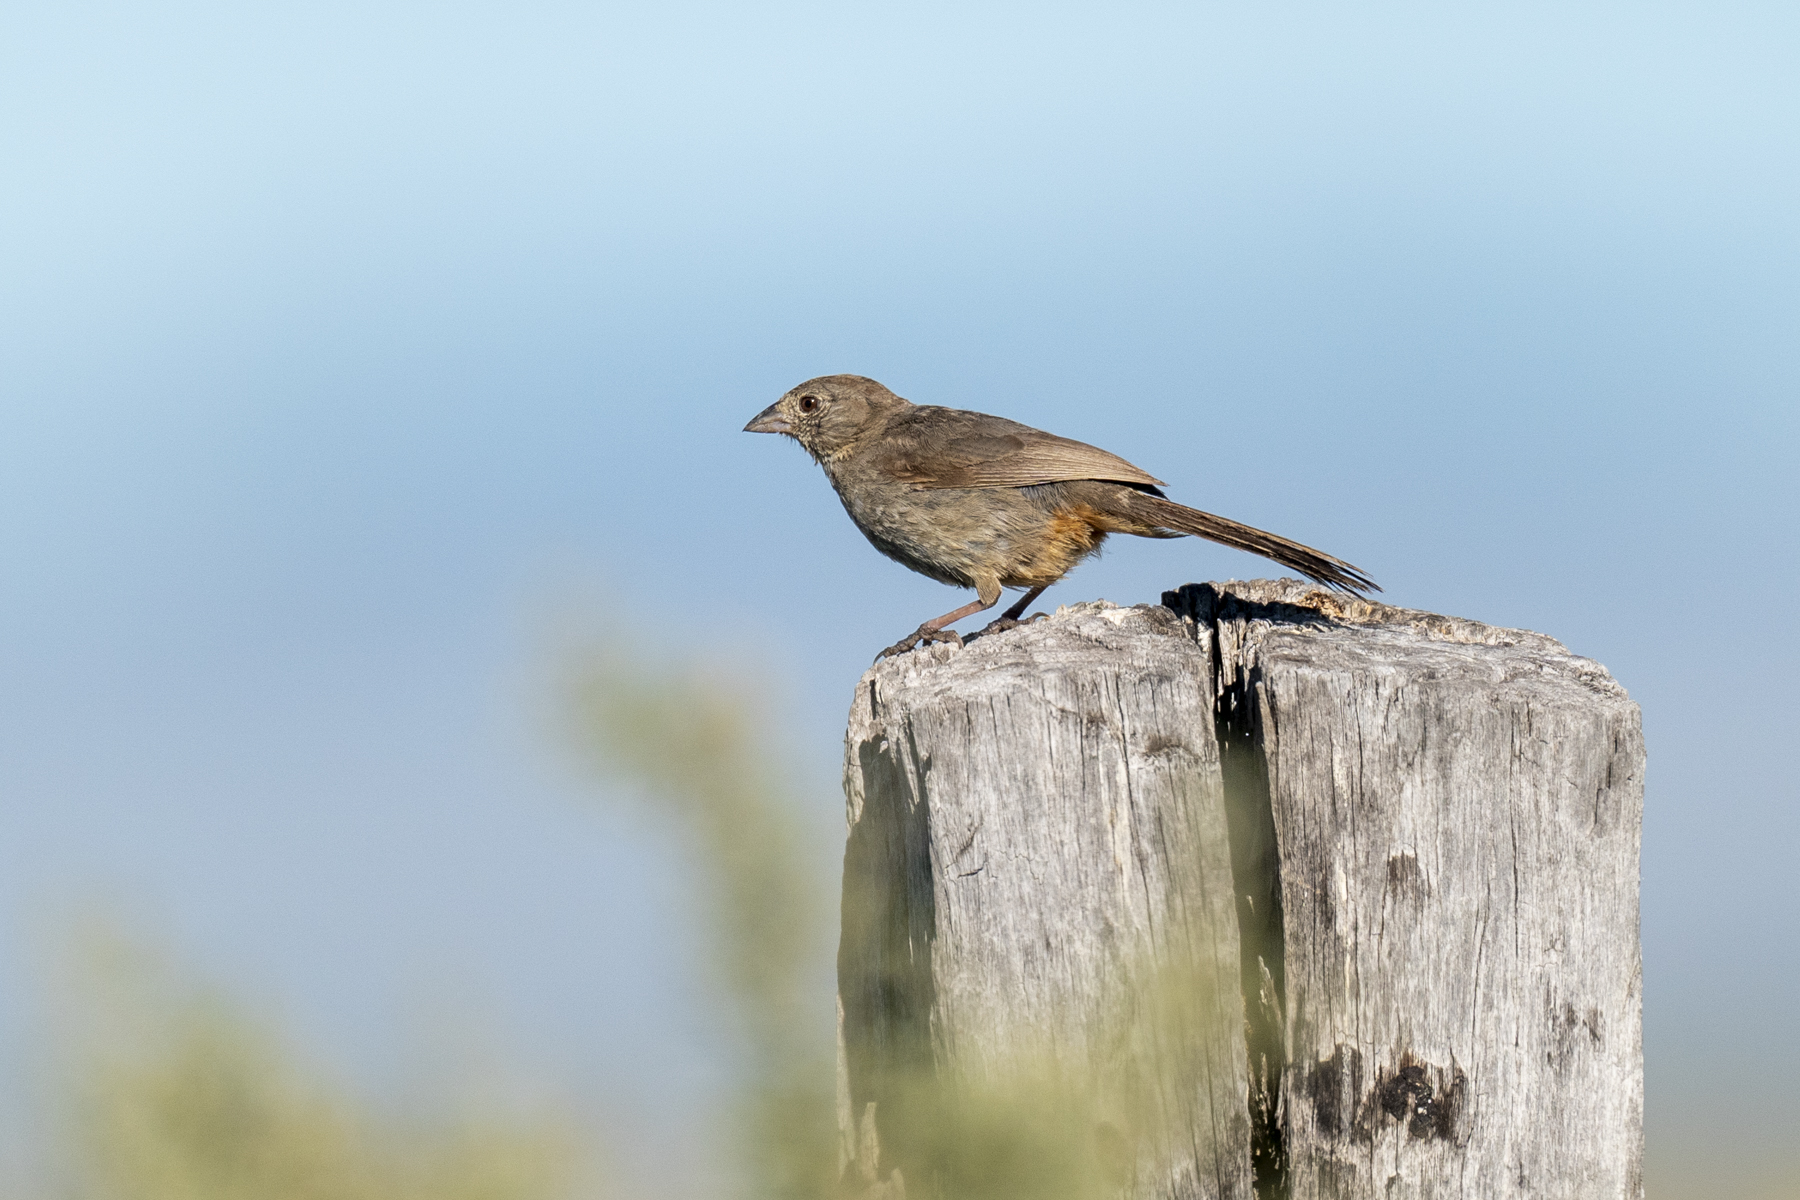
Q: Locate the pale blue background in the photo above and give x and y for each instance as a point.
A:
(352, 355)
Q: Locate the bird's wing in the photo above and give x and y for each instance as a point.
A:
(948, 448)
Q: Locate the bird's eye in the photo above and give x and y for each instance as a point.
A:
(808, 403)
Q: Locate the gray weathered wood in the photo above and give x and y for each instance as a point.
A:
(1393, 855)
(1033, 820)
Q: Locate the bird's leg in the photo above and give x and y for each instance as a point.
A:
(934, 631)
(1018, 610)
(1010, 618)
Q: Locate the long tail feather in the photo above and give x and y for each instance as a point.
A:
(1314, 564)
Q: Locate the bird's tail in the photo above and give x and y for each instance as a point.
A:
(1166, 515)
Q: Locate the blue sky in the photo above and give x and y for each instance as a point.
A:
(354, 359)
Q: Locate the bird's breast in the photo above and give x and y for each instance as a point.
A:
(961, 535)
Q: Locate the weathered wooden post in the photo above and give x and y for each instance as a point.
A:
(1388, 862)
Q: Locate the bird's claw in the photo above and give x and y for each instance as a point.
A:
(921, 634)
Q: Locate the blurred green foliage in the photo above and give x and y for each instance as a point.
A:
(176, 1093)
(692, 743)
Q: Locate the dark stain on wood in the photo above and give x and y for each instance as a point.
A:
(1333, 1085)
(1404, 878)
(1426, 1100)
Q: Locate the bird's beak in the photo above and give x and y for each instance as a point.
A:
(769, 421)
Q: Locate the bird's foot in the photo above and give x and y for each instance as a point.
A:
(922, 634)
(1003, 624)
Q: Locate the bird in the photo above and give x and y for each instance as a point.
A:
(978, 501)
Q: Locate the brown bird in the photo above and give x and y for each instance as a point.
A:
(986, 503)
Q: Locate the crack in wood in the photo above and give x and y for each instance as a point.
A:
(1256, 876)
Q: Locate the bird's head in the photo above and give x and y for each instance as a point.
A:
(829, 414)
